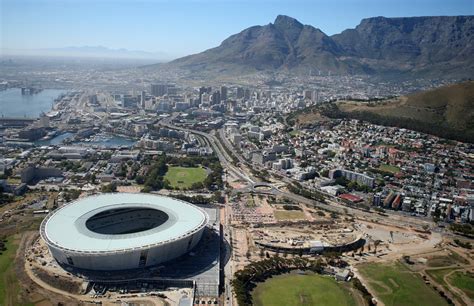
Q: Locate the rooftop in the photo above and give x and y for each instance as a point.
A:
(70, 226)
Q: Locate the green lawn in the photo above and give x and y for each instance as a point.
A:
(438, 275)
(184, 177)
(289, 214)
(394, 285)
(8, 282)
(308, 290)
(294, 133)
(389, 168)
(463, 281)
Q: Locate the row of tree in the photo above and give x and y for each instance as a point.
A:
(246, 280)
(256, 272)
(463, 229)
(310, 194)
(199, 199)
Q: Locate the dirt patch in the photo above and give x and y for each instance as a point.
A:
(59, 282)
(44, 303)
(305, 299)
(30, 290)
(394, 283)
(383, 286)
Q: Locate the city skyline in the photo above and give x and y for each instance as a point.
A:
(170, 29)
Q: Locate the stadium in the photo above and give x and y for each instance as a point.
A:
(121, 231)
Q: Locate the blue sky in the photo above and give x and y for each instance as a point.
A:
(181, 27)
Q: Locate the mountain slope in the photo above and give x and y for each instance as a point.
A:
(414, 43)
(422, 45)
(285, 44)
(446, 111)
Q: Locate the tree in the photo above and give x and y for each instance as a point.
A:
(376, 244)
(140, 179)
(112, 187)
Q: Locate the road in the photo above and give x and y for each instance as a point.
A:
(214, 143)
(392, 218)
(226, 161)
(245, 175)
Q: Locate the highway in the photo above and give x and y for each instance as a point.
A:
(334, 206)
(213, 142)
(278, 190)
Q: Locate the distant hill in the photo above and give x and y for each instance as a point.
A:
(446, 111)
(90, 52)
(421, 46)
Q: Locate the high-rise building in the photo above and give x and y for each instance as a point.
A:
(171, 90)
(205, 98)
(247, 94)
(93, 99)
(223, 93)
(142, 99)
(240, 93)
(216, 98)
(204, 90)
(311, 95)
(308, 94)
(159, 90)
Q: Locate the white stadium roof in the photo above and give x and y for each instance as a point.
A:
(66, 227)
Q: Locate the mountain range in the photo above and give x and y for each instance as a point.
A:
(90, 52)
(441, 46)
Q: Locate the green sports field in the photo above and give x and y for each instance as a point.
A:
(307, 290)
(394, 284)
(389, 168)
(185, 177)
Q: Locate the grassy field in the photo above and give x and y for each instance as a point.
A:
(394, 284)
(289, 214)
(250, 201)
(438, 275)
(389, 168)
(463, 281)
(183, 177)
(308, 290)
(8, 282)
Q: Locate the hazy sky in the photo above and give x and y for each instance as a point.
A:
(181, 27)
